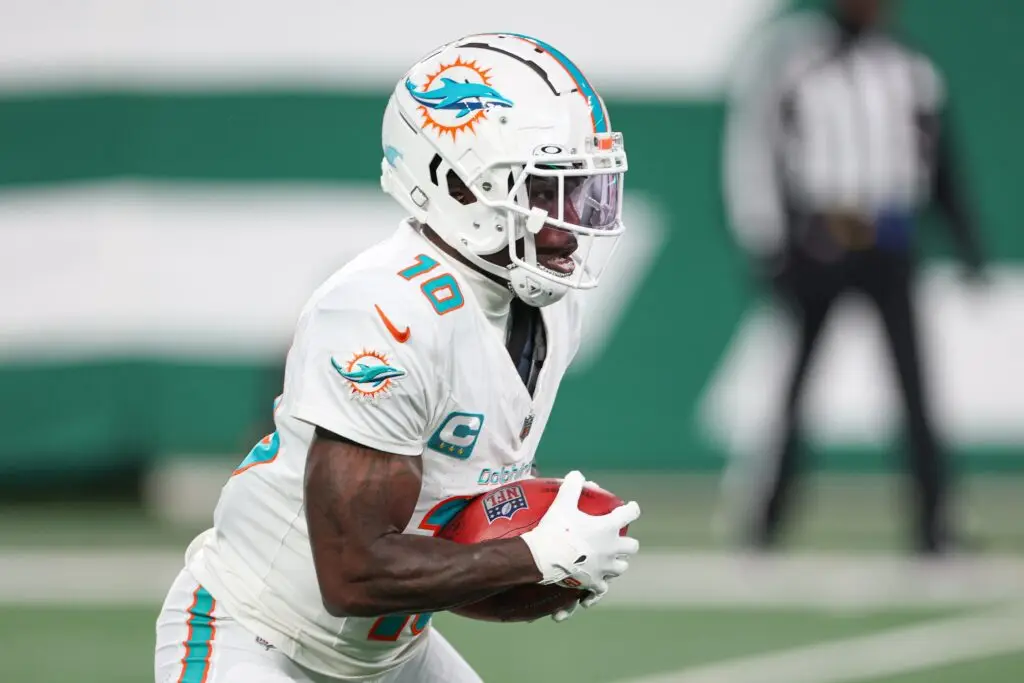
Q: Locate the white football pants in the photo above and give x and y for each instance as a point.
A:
(197, 642)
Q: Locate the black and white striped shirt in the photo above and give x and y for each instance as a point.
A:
(824, 121)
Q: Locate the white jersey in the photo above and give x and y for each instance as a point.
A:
(395, 351)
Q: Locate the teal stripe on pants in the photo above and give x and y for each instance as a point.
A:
(199, 645)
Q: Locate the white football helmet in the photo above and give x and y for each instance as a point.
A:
(493, 138)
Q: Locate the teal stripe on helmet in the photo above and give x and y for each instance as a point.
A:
(596, 109)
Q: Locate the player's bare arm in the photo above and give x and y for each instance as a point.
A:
(358, 501)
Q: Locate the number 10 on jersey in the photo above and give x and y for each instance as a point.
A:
(442, 291)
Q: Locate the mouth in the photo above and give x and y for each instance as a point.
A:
(559, 260)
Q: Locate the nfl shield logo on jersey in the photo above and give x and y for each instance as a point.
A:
(504, 502)
(527, 426)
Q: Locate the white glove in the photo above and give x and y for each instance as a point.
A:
(568, 543)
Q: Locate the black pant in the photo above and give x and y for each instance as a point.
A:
(811, 287)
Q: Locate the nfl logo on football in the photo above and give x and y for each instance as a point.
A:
(504, 502)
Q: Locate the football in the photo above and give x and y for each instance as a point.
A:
(512, 510)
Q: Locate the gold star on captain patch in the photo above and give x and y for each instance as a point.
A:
(461, 451)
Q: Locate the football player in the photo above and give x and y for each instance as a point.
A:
(421, 375)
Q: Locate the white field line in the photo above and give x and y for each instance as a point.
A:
(864, 658)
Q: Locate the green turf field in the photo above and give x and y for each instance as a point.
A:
(114, 645)
(840, 607)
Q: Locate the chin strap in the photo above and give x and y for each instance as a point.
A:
(535, 290)
(530, 288)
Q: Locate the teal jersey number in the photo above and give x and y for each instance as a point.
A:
(442, 291)
(389, 628)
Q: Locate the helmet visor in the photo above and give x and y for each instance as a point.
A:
(575, 201)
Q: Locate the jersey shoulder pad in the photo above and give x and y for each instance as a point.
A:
(405, 305)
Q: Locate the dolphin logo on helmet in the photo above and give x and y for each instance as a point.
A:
(463, 97)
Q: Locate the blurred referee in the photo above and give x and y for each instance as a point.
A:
(836, 138)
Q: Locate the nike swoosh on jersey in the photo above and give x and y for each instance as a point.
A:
(401, 336)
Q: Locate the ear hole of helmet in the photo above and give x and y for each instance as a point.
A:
(452, 183)
(457, 189)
